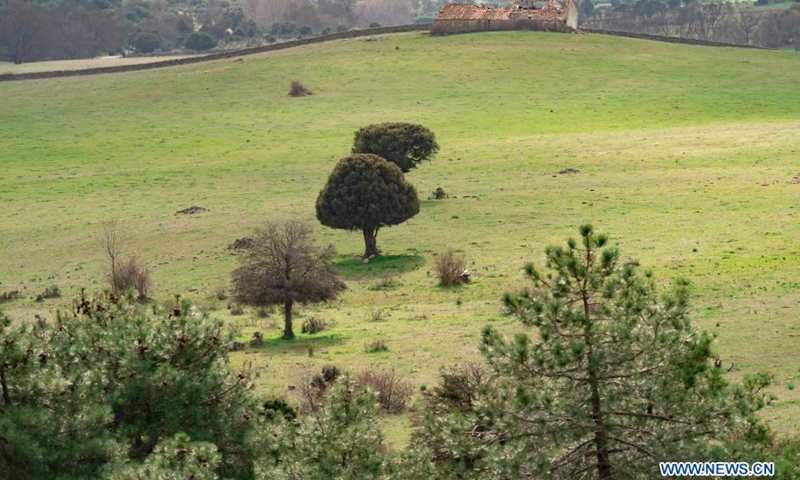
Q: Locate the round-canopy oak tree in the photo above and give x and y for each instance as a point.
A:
(366, 192)
(283, 266)
(404, 144)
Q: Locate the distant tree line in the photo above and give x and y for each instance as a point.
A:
(716, 21)
(34, 30)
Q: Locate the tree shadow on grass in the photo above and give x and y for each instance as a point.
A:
(356, 269)
(275, 344)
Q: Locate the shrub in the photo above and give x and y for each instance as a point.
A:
(341, 439)
(377, 315)
(393, 392)
(221, 293)
(439, 194)
(144, 42)
(284, 29)
(327, 31)
(257, 340)
(200, 42)
(458, 389)
(377, 346)
(131, 276)
(449, 268)
(276, 408)
(9, 296)
(314, 386)
(305, 30)
(297, 89)
(50, 292)
(342, 28)
(374, 25)
(312, 325)
(236, 309)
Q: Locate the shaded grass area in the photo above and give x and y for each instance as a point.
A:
(686, 157)
(357, 269)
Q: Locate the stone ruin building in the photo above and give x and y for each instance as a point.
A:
(551, 16)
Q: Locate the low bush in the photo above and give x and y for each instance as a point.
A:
(297, 89)
(10, 296)
(50, 292)
(450, 267)
(377, 315)
(312, 325)
(377, 346)
(235, 309)
(132, 276)
(439, 194)
(145, 41)
(276, 408)
(314, 386)
(200, 42)
(221, 293)
(458, 388)
(257, 340)
(393, 391)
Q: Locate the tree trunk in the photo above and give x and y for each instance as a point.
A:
(604, 469)
(6, 396)
(370, 241)
(288, 333)
(600, 439)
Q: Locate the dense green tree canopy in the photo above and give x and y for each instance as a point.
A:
(404, 144)
(365, 192)
(200, 41)
(114, 379)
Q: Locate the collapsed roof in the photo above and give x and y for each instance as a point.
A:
(543, 11)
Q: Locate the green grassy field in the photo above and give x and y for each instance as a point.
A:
(686, 154)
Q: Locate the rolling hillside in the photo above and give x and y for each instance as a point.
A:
(689, 157)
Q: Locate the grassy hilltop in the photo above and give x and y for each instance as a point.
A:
(688, 156)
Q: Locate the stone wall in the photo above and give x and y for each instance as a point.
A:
(662, 38)
(439, 27)
(216, 56)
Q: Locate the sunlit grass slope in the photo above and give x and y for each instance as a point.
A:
(686, 157)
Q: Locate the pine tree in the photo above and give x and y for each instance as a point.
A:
(175, 458)
(341, 440)
(614, 380)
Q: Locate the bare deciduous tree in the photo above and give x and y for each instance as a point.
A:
(113, 242)
(282, 267)
(266, 12)
(122, 274)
